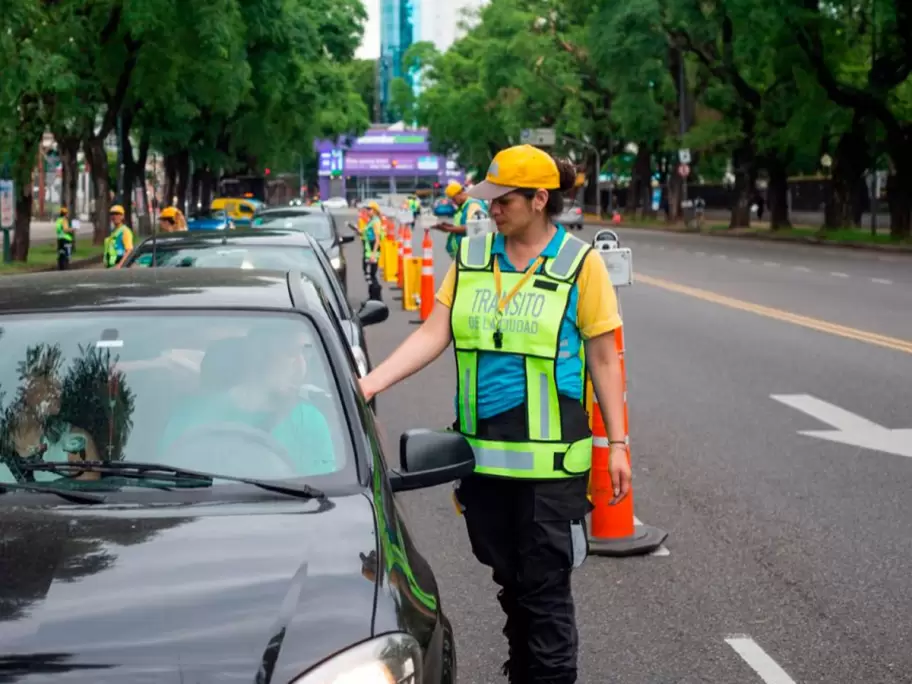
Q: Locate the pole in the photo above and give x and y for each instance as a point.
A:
(874, 128)
(611, 171)
(683, 102)
(120, 160)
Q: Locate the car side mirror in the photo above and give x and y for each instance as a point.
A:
(345, 239)
(428, 458)
(372, 312)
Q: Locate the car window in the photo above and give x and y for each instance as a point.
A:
(245, 209)
(319, 226)
(244, 395)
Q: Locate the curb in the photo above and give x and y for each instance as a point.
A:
(801, 240)
(75, 265)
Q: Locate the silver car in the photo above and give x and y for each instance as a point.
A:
(570, 218)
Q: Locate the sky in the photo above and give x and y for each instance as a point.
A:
(370, 43)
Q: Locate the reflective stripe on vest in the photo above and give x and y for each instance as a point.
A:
(114, 247)
(530, 329)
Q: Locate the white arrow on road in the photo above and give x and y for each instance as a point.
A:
(849, 428)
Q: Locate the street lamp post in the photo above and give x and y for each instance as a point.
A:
(598, 172)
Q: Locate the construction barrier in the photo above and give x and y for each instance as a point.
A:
(389, 259)
(411, 283)
(612, 529)
(400, 269)
(427, 275)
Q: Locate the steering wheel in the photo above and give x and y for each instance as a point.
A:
(224, 439)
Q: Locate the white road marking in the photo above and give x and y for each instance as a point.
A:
(721, 256)
(882, 281)
(803, 269)
(700, 253)
(760, 662)
(770, 263)
(662, 550)
(849, 428)
(744, 261)
(837, 274)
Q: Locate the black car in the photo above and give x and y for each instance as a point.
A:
(312, 220)
(177, 506)
(284, 250)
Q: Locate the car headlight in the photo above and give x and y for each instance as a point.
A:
(390, 659)
(336, 261)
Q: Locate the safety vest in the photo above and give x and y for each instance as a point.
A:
(374, 224)
(61, 233)
(459, 219)
(530, 328)
(114, 246)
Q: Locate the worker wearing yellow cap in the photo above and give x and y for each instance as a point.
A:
(467, 209)
(171, 220)
(120, 242)
(370, 237)
(518, 305)
(64, 239)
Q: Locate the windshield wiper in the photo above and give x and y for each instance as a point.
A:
(69, 495)
(156, 471)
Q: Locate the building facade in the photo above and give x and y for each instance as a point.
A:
(383, 162)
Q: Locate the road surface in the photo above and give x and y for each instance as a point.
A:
(789, 555)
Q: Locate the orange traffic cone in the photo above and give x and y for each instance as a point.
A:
(613, 531)
(427, 275)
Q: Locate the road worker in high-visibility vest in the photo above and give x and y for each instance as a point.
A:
(120, 242)
(467, 209)
(518, 306)
(370, 238)
(64, 239)
(171, 220)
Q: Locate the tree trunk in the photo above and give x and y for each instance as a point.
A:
(673, 195)
(69, 161)
(139, 175)
(744, 163)
(777, 194)
(899, 194)
(183, 179)
(643, 169)
(171, 172)
(849, 162)
(98, 162)
(21, 234)
(208, 183)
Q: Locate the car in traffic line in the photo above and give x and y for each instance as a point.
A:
(190, 507)
(284, 250)
(335, 203)
(313, 220)
(571, 218)
(212, 219)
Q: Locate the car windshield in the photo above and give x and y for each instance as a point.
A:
(317, 225)
(240, 395)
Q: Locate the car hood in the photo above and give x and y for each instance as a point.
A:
(214, 592)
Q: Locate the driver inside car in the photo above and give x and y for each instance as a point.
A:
(261, 391)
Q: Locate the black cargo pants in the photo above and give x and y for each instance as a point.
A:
(531, 534)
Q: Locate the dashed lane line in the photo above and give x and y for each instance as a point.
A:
(751, 653)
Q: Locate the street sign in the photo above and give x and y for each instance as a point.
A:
(540, 137)
(618, 260)
(684, 156)
(684, 170)
(7, 204)
(849, 428)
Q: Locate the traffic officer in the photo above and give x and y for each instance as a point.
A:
(467, 209)
(518, 305)
(64, 239)
(120, 242)
(370, 237)
(169, 221)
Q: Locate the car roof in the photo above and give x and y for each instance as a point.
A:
(154, 288)
(261, 236)
(292, 211)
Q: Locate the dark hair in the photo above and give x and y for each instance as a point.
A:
(555, 203)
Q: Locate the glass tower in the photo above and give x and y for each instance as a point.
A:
(398, 22)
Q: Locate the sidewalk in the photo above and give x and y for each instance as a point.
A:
(44, 231)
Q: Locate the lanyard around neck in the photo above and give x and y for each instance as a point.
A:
(502, 303)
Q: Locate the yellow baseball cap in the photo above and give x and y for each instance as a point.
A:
(116, 209)
(453, 188)
(521, 166)
(168, 213)
(374, 206)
